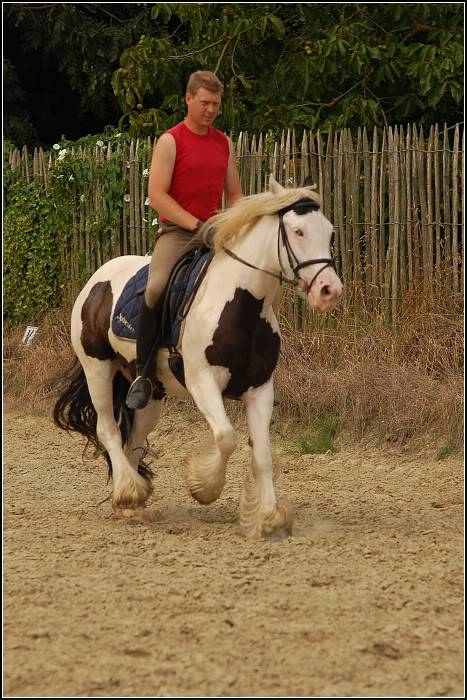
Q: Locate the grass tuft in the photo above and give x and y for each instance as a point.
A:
(449, 448)
(318, 439)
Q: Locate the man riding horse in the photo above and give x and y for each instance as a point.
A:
(193, 164)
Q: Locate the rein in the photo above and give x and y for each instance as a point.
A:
(301, 206)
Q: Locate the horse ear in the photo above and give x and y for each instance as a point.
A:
(274, 186)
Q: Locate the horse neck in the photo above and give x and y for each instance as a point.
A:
(259, 248)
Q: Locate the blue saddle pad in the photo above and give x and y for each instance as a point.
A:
(181, 285)
(126, 313)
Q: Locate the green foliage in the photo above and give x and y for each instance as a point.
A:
(38, 222)
(85, 40)
(17, 122)
(31, 266)
(319, 438)
(315, 65)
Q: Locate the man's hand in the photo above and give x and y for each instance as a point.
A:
(196, 229)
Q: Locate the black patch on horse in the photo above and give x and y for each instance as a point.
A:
(95, 316)
(244, 343)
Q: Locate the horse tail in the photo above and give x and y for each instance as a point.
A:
(74, 411)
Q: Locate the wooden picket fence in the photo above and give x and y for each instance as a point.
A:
(395, 197)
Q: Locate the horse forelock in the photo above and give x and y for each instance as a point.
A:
(232, 223)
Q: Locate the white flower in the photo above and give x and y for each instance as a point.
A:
(117, 135)
(99, 143)
(62, 154)
(145, 172)
(56, 146)
(128, 164)
(126, 198)
(154, 222)
(71, 178)
(146, 202)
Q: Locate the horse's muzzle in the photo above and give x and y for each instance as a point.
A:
(326, 291)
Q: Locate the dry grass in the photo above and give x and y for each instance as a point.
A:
(396, 383)
(32, 374)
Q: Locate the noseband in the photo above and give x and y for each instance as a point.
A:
(301, 206)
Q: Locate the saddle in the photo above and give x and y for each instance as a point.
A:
(177, 298)
(184, 282)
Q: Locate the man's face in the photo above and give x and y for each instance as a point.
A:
(203, 107)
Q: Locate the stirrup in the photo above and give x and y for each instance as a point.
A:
(139, 393)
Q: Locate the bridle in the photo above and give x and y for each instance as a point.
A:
(301, 206)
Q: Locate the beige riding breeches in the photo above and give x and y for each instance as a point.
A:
(171, 243)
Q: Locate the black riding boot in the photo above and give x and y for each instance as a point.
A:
(147, 340)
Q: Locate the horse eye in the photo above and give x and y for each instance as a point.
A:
(299, 232)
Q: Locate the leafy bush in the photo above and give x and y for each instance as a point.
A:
(40, 223)
(31, 265)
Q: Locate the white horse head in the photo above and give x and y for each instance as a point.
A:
(302, 254)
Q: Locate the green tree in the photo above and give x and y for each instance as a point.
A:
(17, 121)
(85, 39)
(80, 41)
(315, 65)
(303, 65)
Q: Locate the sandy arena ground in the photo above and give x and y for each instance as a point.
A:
(366, 599)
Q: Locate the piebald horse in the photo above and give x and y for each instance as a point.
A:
(230, 347)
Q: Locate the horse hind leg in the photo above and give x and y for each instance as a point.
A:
(261, 514)
(130, 489)
(144, 421)
(206, 472)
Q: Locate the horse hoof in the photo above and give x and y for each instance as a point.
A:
(135, 515)
(205, 485)
(276, 536)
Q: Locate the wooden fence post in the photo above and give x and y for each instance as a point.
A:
(397, 207)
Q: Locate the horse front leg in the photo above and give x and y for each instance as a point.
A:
(206, 472)
(261, 515)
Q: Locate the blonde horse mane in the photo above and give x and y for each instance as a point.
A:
(232, 223)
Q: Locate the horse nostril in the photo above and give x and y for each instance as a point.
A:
(325, 290)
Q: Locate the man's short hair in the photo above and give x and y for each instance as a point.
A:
(204, 79)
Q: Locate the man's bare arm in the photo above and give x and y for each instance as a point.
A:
(160, 177)
(233, 189)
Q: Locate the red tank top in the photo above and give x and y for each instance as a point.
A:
(199, 172)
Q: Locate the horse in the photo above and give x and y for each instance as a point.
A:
(229, 347)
